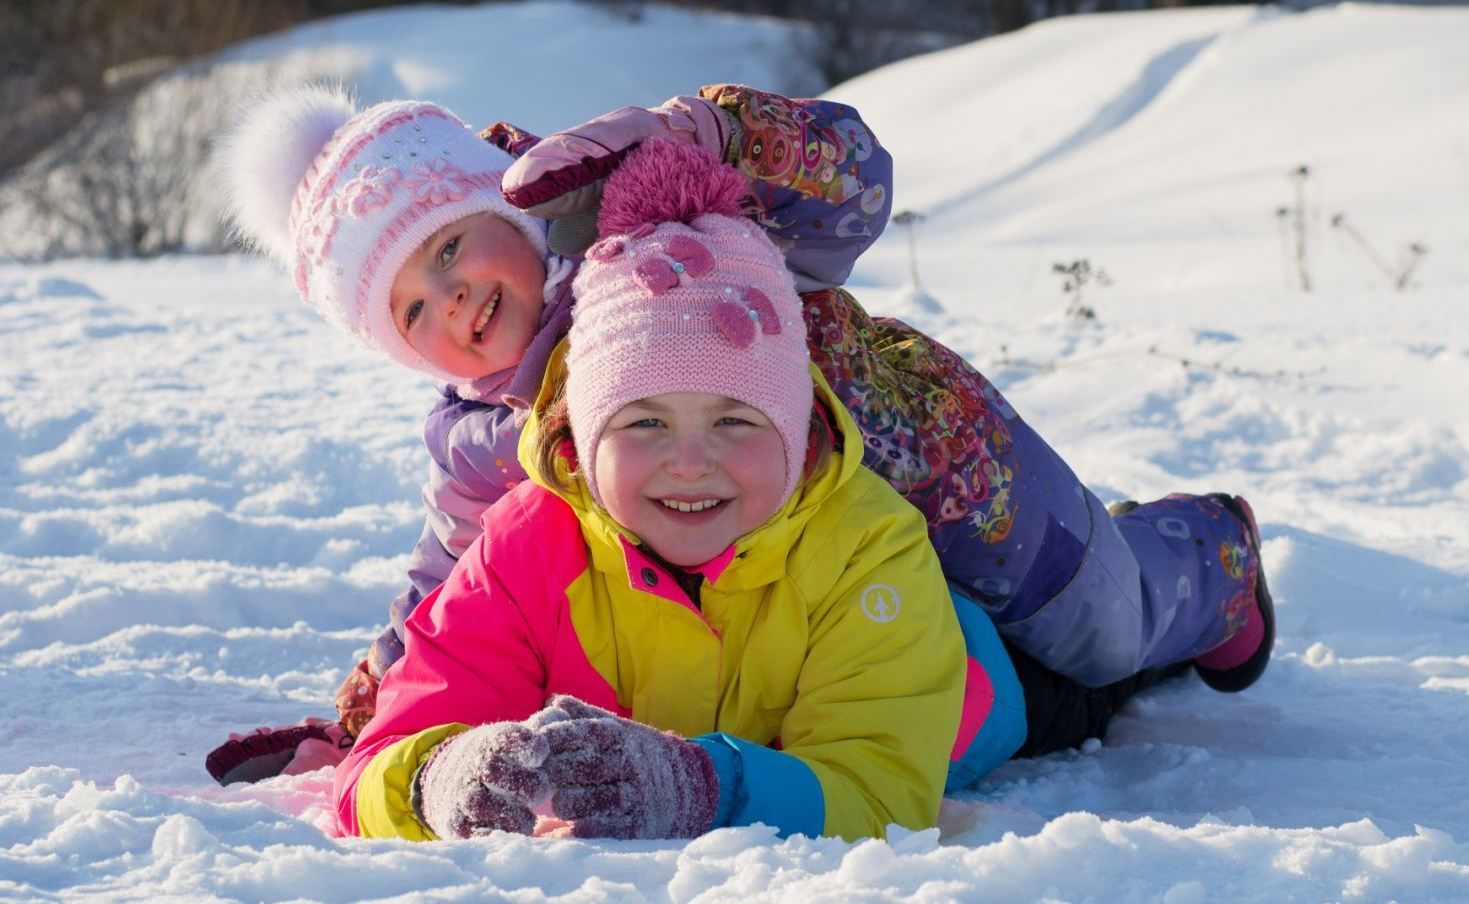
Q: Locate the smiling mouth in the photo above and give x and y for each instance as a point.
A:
(484, 316)
(678, 505)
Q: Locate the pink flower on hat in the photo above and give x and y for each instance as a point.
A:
(684, 257)
(321, 225)
(437, 182)
(372, 190)
(738, 322)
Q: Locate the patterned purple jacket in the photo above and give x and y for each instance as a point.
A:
(1015, 529)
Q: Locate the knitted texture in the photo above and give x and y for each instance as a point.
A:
(669, 183)
(484, 780)
(674, 298)
(343, 198)
(616, 778)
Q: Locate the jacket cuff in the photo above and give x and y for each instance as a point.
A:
(729, 772)
(758, 784)
(384, 792)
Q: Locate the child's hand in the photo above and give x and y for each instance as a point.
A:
(616, 778)
(561, 177)
(485, 779)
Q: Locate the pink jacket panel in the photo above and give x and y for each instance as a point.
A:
(476, 655)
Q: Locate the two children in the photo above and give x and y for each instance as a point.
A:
(695, 551)
(398, 232)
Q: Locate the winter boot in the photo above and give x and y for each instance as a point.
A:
(283, 750)
(1240, 661)
(1061, 713)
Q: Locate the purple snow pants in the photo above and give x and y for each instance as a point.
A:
(1094, 597)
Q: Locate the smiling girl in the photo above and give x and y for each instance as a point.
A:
(467, 274)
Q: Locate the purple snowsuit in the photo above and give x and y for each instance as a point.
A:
(1092, 597)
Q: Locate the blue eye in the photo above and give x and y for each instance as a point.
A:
(642, 423)
(411, 314)
(446, 253)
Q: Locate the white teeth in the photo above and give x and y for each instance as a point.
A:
(689, 506)
(484, 317)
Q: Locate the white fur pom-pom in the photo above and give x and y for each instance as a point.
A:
(263, 159)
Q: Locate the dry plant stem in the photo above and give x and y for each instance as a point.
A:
(1299, 222)
(1413, 254)
(1340, 222)
(909, 220)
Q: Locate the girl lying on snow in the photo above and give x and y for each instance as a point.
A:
(733, 621)
(423, 259)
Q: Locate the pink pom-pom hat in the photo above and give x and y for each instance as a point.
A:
(683, 294)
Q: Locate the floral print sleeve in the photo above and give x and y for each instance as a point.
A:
(820, 178)
(934, 428)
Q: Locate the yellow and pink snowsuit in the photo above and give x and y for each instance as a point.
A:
(819, 659)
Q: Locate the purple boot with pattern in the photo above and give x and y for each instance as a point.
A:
(1240, 661)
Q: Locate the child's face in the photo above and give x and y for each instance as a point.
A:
(469, 300)
(689, 472)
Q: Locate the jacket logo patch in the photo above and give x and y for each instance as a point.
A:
(881, 603)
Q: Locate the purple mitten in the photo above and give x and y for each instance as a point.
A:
(561, 176)
(616, 778)
(485, 779)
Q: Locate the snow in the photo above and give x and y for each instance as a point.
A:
(207, 497)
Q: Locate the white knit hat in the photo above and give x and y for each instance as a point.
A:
(343, 198)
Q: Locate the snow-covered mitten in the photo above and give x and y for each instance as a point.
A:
(483, 780)
(616, 778)
(560, 179)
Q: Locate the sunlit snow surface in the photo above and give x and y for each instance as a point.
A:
(206, 497)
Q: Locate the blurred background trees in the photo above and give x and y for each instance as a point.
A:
(66, 58)
(109, 109)
(854, 36)
(108, 116)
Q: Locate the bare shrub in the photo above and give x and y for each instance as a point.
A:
(66, 59)
(130, 181)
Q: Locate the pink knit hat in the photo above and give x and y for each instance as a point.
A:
(684, 294)
(343, 197)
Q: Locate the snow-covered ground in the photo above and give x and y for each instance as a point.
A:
(206, 497)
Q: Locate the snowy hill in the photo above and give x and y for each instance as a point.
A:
(1161, 143)
(542, 65)
(206, 498)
